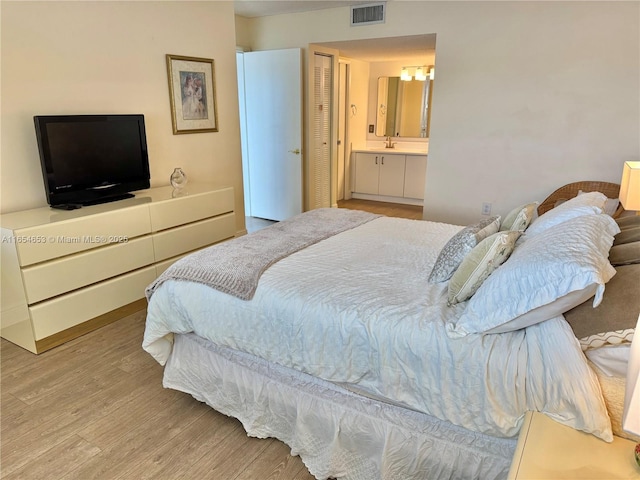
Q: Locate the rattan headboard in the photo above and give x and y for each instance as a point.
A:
(611, 190)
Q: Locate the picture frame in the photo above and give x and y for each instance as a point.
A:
(192, 94)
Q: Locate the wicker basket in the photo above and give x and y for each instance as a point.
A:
(611, 190)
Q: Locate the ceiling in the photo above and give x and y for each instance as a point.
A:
(263, 8)
(387, 49)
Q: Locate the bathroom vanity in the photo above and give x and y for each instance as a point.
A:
(389, 175)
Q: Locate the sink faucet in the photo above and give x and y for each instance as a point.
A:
(388, 143)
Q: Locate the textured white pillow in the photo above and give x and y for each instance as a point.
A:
(585, 204)
(610, 205)
(556, 216)
(594, 199)
(550, 310)
(570, 256)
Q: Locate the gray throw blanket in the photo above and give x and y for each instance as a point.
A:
(234, 267)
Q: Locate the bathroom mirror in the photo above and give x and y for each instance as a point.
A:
(403, 107)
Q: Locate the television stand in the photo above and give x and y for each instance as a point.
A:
(65, 273)
(107, 199)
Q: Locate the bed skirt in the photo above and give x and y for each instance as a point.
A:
(335, 432)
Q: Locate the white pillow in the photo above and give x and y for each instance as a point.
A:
(569, 257)
(594, 199)
(558, 215)
(585, 204)
(550, 310)
(610, 205)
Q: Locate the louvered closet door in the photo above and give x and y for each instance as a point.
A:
(322, 130)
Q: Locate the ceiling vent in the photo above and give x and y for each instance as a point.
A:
(368, 14)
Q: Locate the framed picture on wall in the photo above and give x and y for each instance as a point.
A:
(192, 93)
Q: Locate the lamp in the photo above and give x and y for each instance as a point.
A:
(405, 75)
(631, 413)
(630, 186)
(432, 73)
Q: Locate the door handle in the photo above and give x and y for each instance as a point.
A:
(296, 151)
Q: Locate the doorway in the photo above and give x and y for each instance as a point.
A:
(357, 66)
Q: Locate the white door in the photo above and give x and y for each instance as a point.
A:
(273, 108)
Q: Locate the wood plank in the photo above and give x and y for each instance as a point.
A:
(197, 442)
(82, 364)
(276, 463)
(383, 208)
(57, 461)
(136, 438)
(45, 427)
(229, 458)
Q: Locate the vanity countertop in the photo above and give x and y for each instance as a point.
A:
(398, 150)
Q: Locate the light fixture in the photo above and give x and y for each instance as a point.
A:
(631, 412)
(630, 186)
(432, 73)
(420, 73)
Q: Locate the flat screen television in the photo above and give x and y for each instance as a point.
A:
(90, 159)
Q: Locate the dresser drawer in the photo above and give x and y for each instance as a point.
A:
(62, 275)
(176, 241)
(53, 240)
(66, 311)
(190, 208)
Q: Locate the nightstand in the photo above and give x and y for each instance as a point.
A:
(548, 450)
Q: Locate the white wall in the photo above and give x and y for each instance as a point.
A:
(358, 96)
(357, 116)
(528, 96)
(109, 57)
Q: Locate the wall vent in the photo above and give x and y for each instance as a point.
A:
(368, 14)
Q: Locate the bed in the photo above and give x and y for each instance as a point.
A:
(380, 347)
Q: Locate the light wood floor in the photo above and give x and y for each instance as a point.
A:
(95, 408)
(389, 209)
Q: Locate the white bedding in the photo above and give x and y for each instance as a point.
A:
(357, 309)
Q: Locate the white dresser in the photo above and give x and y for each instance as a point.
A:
(65, 273)
(390, 176)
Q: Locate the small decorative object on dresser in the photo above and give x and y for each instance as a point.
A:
(178, 178)
(192, 94)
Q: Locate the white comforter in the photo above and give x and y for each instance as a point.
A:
(357, 309)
